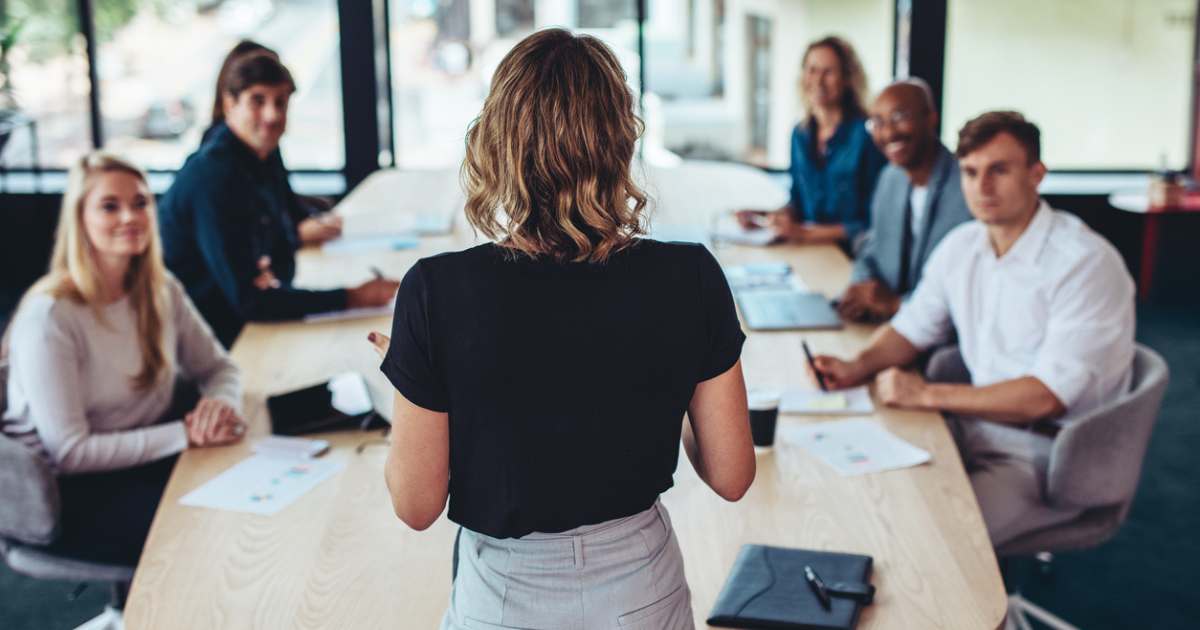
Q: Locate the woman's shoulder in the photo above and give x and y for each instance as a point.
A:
(42, 312)
(676, 254)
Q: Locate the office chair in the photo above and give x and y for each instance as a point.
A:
(1095, 463)
(29, 512)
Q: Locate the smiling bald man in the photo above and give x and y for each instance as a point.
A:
(917, 201)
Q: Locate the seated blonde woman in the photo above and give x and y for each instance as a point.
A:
(95, 349)
(542, 379)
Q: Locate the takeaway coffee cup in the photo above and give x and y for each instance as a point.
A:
(764, 413)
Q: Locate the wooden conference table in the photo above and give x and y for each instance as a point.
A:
(339, 557)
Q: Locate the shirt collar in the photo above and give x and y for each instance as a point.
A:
(839, 135)
(222, 135)
(1033, 240)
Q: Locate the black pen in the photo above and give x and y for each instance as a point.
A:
(813, 364)
(818, 587)
(378, 274)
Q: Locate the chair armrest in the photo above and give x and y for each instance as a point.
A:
(1097, 458)
(946, 366)
(28, 495)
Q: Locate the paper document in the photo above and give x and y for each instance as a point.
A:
(262, 484)
(855, 446)
(351, 313)
(765, 274)
(369, 244)
(726, 228)
(855, 401)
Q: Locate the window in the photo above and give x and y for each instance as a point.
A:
(1084, 72)
(44, 111)
(158, 64)
(444, 53)
(705, 68)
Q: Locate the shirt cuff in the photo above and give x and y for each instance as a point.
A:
(1066, 379)
(724, 359)
(165, 440)
(413, 391)
(904, 324)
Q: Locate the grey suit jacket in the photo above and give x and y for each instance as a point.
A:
(880, 255)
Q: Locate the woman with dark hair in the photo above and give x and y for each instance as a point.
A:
(834, 162)
(313, 222)
(229, 220)
(542, 379)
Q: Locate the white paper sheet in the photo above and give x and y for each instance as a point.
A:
(726, 228)
(262, 484)
(351, 313)
(854, 401)
(369, 244)
(855, 446)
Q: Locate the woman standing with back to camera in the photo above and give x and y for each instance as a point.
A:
(542, 378)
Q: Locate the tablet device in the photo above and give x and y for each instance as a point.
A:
(784, 308)
(340, 403)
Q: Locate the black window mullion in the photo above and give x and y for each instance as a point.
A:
(87, 26)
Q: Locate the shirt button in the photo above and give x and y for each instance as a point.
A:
(266, 220)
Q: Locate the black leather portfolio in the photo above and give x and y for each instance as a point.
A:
(767, 589)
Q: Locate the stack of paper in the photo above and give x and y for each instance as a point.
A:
(855, 446)
(369, 244)
(855, 401)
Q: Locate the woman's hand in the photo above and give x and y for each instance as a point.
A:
(382, 343)
(213, 423)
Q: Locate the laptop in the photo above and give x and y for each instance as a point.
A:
(784, 308)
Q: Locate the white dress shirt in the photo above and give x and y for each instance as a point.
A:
(1058, 306)
(917, 200)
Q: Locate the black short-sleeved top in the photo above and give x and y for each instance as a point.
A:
(565, 384)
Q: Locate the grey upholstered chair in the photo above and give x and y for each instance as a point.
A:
(29, 511)
(1095, 464)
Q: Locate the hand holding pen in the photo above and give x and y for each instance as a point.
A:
(375, 292)
(829, 372)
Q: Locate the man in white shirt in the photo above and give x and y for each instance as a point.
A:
(1044, 311)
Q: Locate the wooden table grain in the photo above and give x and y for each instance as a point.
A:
(339, 558)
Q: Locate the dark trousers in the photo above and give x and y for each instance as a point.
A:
(106, 516)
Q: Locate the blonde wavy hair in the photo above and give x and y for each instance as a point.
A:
(75, 276)
(854, 99)
(547, 167)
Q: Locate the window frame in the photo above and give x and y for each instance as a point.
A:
(368, 113)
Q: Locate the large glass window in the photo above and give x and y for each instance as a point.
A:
(721, 76)
(445, 51)
(158, 62)
(44, 111)
(1107, 81)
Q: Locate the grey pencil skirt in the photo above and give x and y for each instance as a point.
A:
(624, 573)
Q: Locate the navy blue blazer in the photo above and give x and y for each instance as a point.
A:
(880, 256)
(840, 190)
(225, 210)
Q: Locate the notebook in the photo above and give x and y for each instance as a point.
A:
(766, 589)
(784, 308)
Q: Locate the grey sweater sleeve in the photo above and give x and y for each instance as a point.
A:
(201, 357)
(44, 356)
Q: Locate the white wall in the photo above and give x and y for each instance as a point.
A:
(1107, 81)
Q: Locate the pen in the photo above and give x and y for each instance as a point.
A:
(378, 274)
(812, 364)
(818, 587)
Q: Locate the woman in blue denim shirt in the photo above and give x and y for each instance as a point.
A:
(834, 162)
